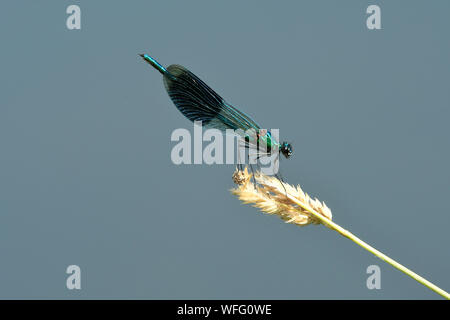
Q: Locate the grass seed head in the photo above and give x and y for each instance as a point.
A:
(270, 195)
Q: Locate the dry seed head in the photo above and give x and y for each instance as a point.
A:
(269, 194)
(241, 177)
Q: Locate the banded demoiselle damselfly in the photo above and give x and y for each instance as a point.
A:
(198, 102)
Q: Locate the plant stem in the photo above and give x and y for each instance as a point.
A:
(330, 224)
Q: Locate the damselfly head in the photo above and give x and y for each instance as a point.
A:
(286, 149)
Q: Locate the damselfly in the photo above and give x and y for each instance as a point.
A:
(198, 102)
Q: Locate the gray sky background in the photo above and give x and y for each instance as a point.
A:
(85, 170)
